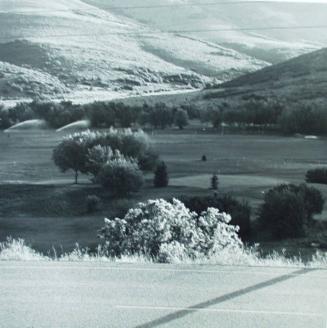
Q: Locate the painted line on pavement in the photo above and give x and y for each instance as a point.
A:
(179, 314)
(43, 267)
(192, 309)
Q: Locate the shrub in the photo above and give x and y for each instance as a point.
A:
(121, 176)
(92, 203)
(149, 160)
(288, 209)
(214, 182)
(166, 231)
(317, 176)
(239, 211)
(161, 179)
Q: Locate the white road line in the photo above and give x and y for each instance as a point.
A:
(195, 309)
(123, 268)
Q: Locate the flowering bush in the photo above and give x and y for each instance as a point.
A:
(169, 231)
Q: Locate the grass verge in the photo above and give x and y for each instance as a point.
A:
(17, 250)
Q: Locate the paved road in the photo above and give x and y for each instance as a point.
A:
(94, 295)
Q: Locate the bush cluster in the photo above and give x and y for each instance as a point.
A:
(111, 157)
(169, 232)
(288, 210)
(317, 176)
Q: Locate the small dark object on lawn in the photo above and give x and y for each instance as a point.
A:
(161, 178)
(214, 182)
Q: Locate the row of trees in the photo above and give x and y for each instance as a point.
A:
(267, 114)
(250, 113)
(100, 114)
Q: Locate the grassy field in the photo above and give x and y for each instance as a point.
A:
(41, 205)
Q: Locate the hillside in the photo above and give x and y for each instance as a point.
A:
(71, 49)
(247, 27)
(303, 78)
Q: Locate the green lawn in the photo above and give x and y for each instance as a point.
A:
(41, 205)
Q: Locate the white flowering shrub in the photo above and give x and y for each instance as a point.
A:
(169, 231)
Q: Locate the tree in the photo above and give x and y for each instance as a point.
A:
(161, 176)
(288, 209)
(214, 182)
(181, 118)
(71, 154)
(121, 176)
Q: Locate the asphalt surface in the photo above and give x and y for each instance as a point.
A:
(94, 295)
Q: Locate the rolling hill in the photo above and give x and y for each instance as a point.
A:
(298, 80)
(303, 78)
(101, 49)
(247, 27)
(70, 49)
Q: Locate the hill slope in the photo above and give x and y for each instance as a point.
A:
(303, 78)
(71, 49)
(244, 26)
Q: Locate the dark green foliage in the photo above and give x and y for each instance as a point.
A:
(160, 116)
(92, 203)
(126, 115)
(161, 178)
(11, 116)
(148, 161)
(181, 118)
(317, 176)
(121, 177)
(101, 114)
(71, 154)
(58, 114)
(306, 119)
(288, 209)
(239, 211)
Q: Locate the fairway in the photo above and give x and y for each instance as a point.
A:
(247, 165)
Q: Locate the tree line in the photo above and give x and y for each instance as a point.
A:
(253, 113)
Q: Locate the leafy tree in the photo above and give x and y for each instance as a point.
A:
(161, 176)
(71, 154)
(101, 114)
(181, 118)
(288, 209)
(121, 176)
(160, 116)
